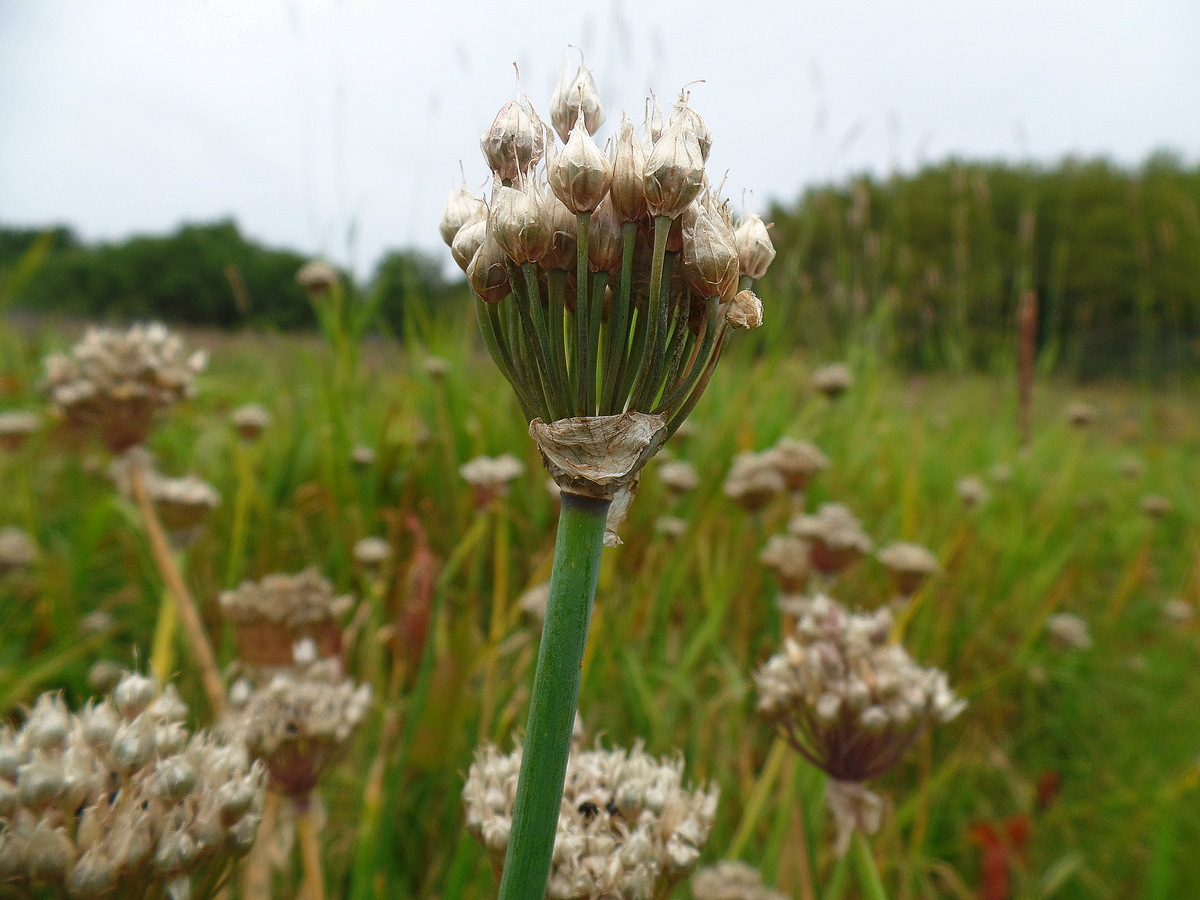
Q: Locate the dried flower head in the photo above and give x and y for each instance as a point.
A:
(628, 189)
(117, 799)
(298, 724)
(489, 476)
(670, 527)
(250, 420)
(17, 550)
(363, 456)
(271, 616)
(972, 491)
(1156, 506)
(1131, 467)
(908, 565)
(627, 827)
(1080, 414)
(732, 880)
(15, 428)
(575, 97)
(318, 277)
(745, 310)
(787, 556)
(581, 174)
(753, 481)
(850, 702)
(833, 380)
(372, 552)
(115, 381)
(1178, 611)
(797, 461)
(678, 475)
(462, 208)
(835, 536)
(183, 504)
(1069, 632)
(515, 141)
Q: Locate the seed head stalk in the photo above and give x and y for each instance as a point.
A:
(555, 695)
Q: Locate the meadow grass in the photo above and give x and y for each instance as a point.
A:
(1093, 751)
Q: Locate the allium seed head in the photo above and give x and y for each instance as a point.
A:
(462, 207)
(581, 174)
(575, 97)
(755, 250)
(674, 173)
(629, 175)
(514, 142)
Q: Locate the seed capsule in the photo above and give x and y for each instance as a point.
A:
(710, 256)
(604, 239)
(514, 142)
(468, 241)
(628, 189)
(745, 311)
(518, 224)
(674, 172)
(573, 97)
(580, 176)
(487, 272)
(563, 234)
(755, 250)
(690, 123)
(462, 207)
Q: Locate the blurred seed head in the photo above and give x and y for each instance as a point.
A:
(250, 420)
(833, 380)
(908, 565)
(1156, 506)
(489, 477)
(678, 475)
(1069, 632)
(17, 550)
(318, 277)
(1080, 414)
(835, 537)
(971, 491)
(114, 382)
(753, 481)
(272, 615)
(797, 461)
(787, 557)
(731, 880)
(15, 428)
(627, 826)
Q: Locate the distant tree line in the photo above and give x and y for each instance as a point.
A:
(926, 269)
(932, 265)
(205, 274)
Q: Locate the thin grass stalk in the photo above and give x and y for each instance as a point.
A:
(162, 652)
(256, 870)
(189, 615)
(758, 798)
(864, 866)
(555, 695)
(310, 850)
(241, 513)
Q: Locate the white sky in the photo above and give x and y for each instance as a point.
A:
(337, 127)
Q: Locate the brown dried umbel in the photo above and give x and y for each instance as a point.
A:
(275, 614)
(117, 800)
(835, 536)
(732, 880)
(753, 481)
(15, 428)
(116, 381)
(17, 550)
(908, 565)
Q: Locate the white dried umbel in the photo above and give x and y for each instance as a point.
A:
(627, 827)
(753, 481)
(362, 456)
(1156, 506)
(489, 476)
(833, 380)
(908, 565)
(298, 724)
(17, 550)
(797, 461)
(1131, 467)
(670, 527)
(1069, 632)
(115, 381)
(372, 552)
(678, 475)
(317, 277)
(971, 491)
(118, 800)
(787, 557)
(1178, 611)
(15, 428)
(183, 505)
(732, 880)
(850, 702)
(1080, 415)
(835, 536)
(250, 420)
(273, 615)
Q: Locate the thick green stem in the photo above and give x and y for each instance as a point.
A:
(864, 864)
(555, 695)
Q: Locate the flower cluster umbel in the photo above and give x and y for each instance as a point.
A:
(606, 278)
(627, 827)
(118, 801)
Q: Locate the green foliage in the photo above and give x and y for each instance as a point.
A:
(943, 256)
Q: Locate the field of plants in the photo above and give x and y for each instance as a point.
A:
(1071, 773)
(836, 629)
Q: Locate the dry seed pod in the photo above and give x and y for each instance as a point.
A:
(908, 565)
(745, 310)
(690, 123)
(461, 208)
(17, 550)
(581, 174)
(674, 173)
(468, 240)
(835, 535)
(250, 420)
(563, 250)
(833, 380)
(318, 277)
(628, 189)
(516, 220)
(488, 271)
(604, 239)
(15, 429)
(573, 98)
(515, 141)
(755, 250)
(710, 256)
(273, 615)
(797, 461)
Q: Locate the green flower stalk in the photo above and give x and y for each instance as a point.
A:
(606, 282)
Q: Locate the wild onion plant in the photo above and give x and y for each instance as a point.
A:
(606, 284)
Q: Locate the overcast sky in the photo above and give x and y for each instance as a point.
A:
(337, 127)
